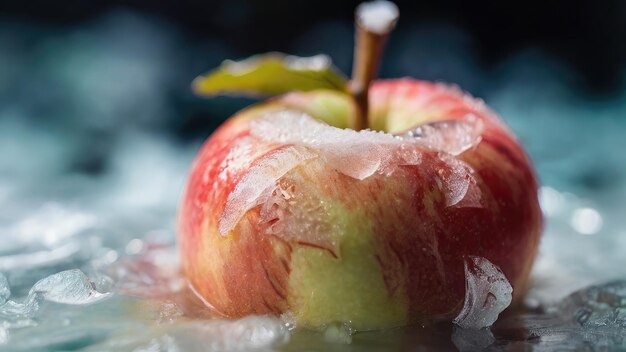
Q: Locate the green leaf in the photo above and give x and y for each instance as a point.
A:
(271, 74)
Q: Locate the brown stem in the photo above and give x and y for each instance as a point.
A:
(374, 21)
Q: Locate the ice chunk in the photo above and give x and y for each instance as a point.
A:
(602, 306)
(261, 177)
(452, 136)
(69, 287)
(487, 294)
(5, 290)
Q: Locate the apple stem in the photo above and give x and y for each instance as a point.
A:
(373, 21)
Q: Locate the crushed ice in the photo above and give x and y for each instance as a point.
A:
(487, 294)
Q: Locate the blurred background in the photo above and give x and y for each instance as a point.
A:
(98, 126)
(82, 75)
(78, 78)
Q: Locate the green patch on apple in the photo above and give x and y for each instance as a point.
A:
(348, 288)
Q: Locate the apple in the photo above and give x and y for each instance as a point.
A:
(357, 201)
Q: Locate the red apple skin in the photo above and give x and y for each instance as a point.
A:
(420, 246)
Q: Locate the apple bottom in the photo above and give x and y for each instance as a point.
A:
(380, 252)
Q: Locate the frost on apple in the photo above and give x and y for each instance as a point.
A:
(261, 177)
(487, 294)
(452, 136)
(357, 154)
(360, 154)
(305, 223)
(458, 183)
